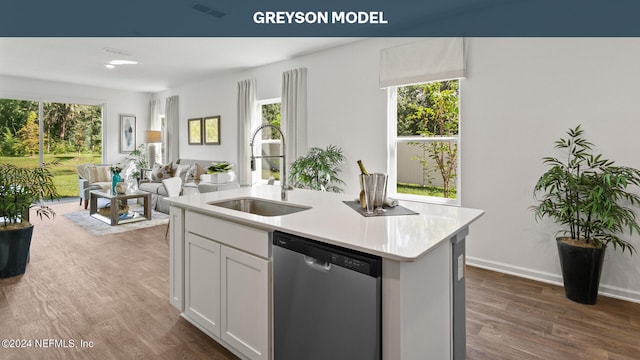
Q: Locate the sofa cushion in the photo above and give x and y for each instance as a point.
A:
(104, 185)
(152, 187)
(99, 174)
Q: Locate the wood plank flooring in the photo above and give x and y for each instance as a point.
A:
(514, 318)
(113, 291)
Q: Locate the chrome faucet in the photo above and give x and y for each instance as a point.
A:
(283, 178)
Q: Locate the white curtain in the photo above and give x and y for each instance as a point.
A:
(171, 130)
(154, 115)
(433, 59)
(294, 112)
(247, 110)
(154, 124)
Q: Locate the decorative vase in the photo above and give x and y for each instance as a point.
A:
(115, 179)
(121, 188)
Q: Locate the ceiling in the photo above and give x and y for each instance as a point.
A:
(163, 62)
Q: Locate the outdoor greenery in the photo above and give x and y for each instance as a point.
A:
(587, 194)
(65, 174)
(421, 190)
(270, 115)
(20, 189)
(66, 128)
(72, 135)
(318, 170)
(431, 110)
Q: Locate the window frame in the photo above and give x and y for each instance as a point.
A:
(256, 176)
(393, 139)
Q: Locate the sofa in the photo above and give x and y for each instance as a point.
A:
(92, 177)
(188, 169)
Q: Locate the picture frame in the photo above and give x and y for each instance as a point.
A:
(195, 131)
(127, 133)
(211, 130)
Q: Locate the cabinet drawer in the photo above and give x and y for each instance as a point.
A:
(238, 236)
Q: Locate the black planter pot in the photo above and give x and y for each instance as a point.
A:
(14, 251)
(581, 269)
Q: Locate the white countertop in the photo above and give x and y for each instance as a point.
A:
(402, 238)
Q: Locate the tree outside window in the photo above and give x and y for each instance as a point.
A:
(426, 144)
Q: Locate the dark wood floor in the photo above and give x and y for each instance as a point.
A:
(513, 318)
(113, 291)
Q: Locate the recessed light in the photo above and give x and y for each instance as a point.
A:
(109, 66)
(122, 62)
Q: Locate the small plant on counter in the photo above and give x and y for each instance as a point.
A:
(318, 170)
(221, 167)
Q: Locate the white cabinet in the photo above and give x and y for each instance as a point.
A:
(176, 258)
(226, 288)
(202, 282)
(245, 302)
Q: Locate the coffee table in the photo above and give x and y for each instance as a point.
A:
(115, 201)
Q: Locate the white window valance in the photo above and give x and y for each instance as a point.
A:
(428, 60)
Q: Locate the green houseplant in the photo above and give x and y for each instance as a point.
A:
(318, 170)
(587, 195)
(20, 189)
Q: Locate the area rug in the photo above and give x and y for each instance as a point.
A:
(98, 228)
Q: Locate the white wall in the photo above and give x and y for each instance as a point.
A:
(346, 107)
(115, 102)
(520, 95)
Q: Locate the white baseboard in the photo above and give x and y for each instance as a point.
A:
(549, 278)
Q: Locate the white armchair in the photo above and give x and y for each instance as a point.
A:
(173, 186)
(92, 177)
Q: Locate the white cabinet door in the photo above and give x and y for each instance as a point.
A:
(245, 303)
(202, 282)
(176, 257)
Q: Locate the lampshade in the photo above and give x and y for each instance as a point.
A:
(152, 136)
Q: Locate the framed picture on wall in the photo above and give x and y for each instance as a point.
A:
(127, 133)
(195, 131)
(211, 130)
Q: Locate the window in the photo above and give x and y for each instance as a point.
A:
(424, 142)
(67, 133)
(268, 143)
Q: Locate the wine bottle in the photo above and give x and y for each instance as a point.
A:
(363, 171)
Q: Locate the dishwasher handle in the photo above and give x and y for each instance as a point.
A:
(317, 264)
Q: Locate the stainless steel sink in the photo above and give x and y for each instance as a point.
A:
(260, 206)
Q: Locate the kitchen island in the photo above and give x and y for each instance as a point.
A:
(211, 247)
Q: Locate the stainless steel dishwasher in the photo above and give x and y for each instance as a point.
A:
(327, 301)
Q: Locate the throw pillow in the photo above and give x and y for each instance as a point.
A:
(199, 171)
(161, 172)
(195, 171)
(182, 171)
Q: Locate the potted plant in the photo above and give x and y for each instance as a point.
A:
(219, 173)
(588, 196)
(318, 170)
(140, 160)
(20, 189)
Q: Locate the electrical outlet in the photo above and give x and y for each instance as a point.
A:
(460, 267)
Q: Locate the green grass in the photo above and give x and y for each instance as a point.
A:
(65, 176)
(416, 189)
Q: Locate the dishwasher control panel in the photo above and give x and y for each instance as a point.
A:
(350, 263)
(350, 259)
